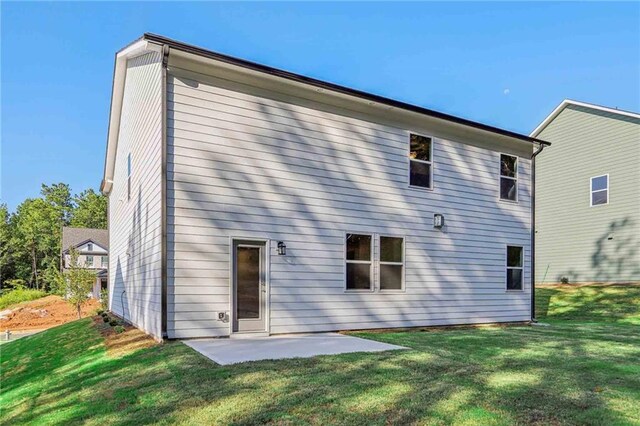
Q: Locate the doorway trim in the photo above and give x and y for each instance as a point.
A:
(233, 240)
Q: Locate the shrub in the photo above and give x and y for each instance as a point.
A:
(104, 315)
(118, 329)
(113, 323)
(105, 318)
(564, 280)
(19, 295)
(99, 312)
(104, 299)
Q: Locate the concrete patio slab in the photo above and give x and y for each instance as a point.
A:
(233, 351)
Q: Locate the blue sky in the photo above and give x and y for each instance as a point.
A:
(505, 64)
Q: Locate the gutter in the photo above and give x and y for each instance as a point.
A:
(163, 195)
(533, 232)
(198, 51)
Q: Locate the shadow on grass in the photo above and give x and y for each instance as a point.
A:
(610, 303)
(586, 373)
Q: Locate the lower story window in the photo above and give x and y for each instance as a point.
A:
(514, 268)
(391, 263)
(358, 262)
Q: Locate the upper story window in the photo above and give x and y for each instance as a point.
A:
(599, 190)
(104, 261)
(359, 262)
(514, 268)
(129, 176)
(89, 247)
(508, 177)
(420, 161)
(391, 263)
(89, 261)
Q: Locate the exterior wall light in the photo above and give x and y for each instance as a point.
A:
(282, 248)
(438, 221)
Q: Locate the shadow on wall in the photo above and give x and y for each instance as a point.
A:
(614, 259)
(305, 182)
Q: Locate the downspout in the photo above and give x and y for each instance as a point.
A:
(533, 231)
(163, 203)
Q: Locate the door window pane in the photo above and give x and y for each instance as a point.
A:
(248, 282)
(358, 247)
(358, 276)
(390, 249)
(390, 277)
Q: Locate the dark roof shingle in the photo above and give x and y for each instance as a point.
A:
(76, 236)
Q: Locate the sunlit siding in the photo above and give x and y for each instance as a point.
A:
(134, 224)
(247, 165)
(573, 239)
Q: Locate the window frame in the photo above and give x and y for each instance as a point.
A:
(591, 191)
(402, 288)
(86, 260)
(371, 288)
(129, 173)
(104, 263)
(516, 178)
(89, 246)
(431, 163)
(507, 267)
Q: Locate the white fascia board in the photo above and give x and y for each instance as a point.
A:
(135, 49)
(568, 102)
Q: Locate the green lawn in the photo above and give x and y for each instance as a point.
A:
(583, 369)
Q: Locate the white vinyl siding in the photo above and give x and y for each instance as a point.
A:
(135, 225)
(248, 165)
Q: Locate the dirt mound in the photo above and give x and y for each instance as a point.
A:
(43, 313)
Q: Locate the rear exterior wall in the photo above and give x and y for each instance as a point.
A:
(243, 163)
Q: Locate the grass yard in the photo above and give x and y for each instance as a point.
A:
(583, 369)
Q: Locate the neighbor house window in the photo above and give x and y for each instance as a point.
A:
(89, 261)
(599, 190)
(508, 177)
(104, 261)
(129, 176)
(89, 247)
(514, 268)
(391, 263)
(420, 161)
(358, 258)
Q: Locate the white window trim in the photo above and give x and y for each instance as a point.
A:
(591, 191)
(402, 288)
(516, 178)
(86, 260)
(370, 262)
(103, 262)
(433, 142)
(507, 267)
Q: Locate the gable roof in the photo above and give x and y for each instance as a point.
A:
(568, 102)
(74, 237)
(157, 43)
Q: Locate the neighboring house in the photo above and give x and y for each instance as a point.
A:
(588, 195)
(244, 198)
(92, 246)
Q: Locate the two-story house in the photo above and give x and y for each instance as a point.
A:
(92, 246)
(247, 199)
(588, 195)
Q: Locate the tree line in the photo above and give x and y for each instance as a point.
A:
(31, 237)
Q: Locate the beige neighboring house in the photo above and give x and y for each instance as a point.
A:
(587, 210)
(93, 251)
